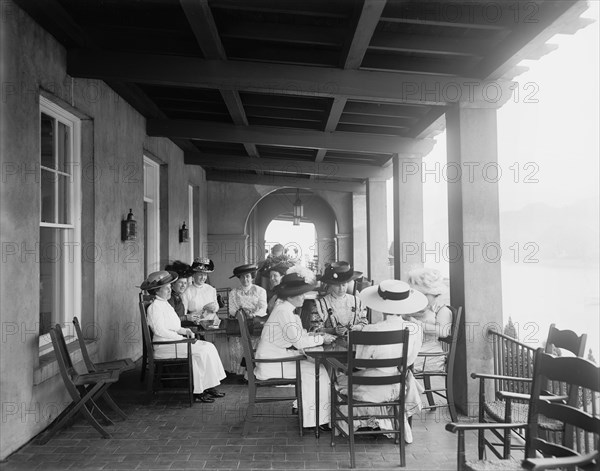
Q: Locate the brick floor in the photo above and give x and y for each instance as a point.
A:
(166, 434)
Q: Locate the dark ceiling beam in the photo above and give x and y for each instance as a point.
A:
(430, 118)
(284, 33)
(286, 137)
(443, 22)
(337, 108)
(319, 9)
(388, 41)
(388, 87)
(365, 27)
(283, 181)
(320, 155)
(322, 170)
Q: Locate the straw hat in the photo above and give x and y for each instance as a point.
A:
(203, 265)
(393, 297)
(427, 281)
(338, 273)
(158, 279)
(292, 284)
(243, 269)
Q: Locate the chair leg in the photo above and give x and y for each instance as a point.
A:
(102, 416)
(400, 426)
(113, 405)
(429, 394)
(450, 399)
(300, 408)
(250, 414)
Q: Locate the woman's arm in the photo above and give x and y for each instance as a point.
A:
(261, 307)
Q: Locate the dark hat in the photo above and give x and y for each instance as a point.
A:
(158, 279)
(337, 273)
(292, 285)
(243, 269)
(203, 265)
(282, 268)
(182, 269)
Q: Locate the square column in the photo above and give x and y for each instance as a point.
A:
(408, 216)
(474, 240)
(377, 241)
(359, 232)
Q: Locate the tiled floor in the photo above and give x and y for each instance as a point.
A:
(166, 434)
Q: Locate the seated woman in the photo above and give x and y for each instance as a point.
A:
(200, 299)
(252, 300)
(178, 287)
(393, 298)
(283, 331)
(340, 311)
(436, 319)
(276, 272)
(164, 322)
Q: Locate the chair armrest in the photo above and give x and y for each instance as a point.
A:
(172, 342)
(454, 427)
(337, 365)
(538, 464)
(280, 360)
(432, 355)
(526, 397)
(501, 377)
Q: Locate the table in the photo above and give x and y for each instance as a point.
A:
(337, 350)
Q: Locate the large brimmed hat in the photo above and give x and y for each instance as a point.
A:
(183, 270)
(393, 297)
(203, 265)
(243, 269)
(427, 281)
(158, 279)
(292, 284)
(337, 273)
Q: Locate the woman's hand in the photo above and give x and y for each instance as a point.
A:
(328, 339)
(356, 327)
(341, 329)
(187, 333)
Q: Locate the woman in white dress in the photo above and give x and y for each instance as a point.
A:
(207, 369)
(200, 298)
(340, 311)
(393, 298)
(252, 299)
(435, 320)
(282, 331)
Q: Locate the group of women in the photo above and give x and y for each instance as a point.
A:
(285, 331)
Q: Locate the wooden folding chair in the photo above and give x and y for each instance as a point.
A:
(254, 384)
(167, 370)
(447, 372)
(84, 389)
(354, 371)
(580, 420)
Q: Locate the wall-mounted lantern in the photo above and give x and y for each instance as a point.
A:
(184, 233)
(129, 228)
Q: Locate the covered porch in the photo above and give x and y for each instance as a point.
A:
(216, 114)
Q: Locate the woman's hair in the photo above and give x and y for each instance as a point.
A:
(427, 281)
(152, 292)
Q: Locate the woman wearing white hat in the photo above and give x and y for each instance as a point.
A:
(207, 369)
(393, 298)
(435, 320)
(282, 331)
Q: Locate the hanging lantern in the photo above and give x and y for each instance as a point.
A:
(184, 233)
(298, 209)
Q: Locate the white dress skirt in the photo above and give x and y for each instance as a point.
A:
(207, 368)
(282, 331)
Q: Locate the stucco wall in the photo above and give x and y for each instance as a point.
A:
(113, 146)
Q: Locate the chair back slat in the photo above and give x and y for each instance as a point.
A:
(246, 341)
(566, 340)
(581, 428)
(62, 358)
(146, 333)
(86, 357)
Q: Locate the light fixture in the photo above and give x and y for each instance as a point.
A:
(184, 233)
(298, 209)
(129, 228)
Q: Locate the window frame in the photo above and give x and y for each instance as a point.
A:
(70, 234)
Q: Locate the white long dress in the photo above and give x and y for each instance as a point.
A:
(283, 330)
(412, 398)
(254, 302)
(206, 364)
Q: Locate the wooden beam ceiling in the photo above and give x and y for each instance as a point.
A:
(287, 137)
(385, 87)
